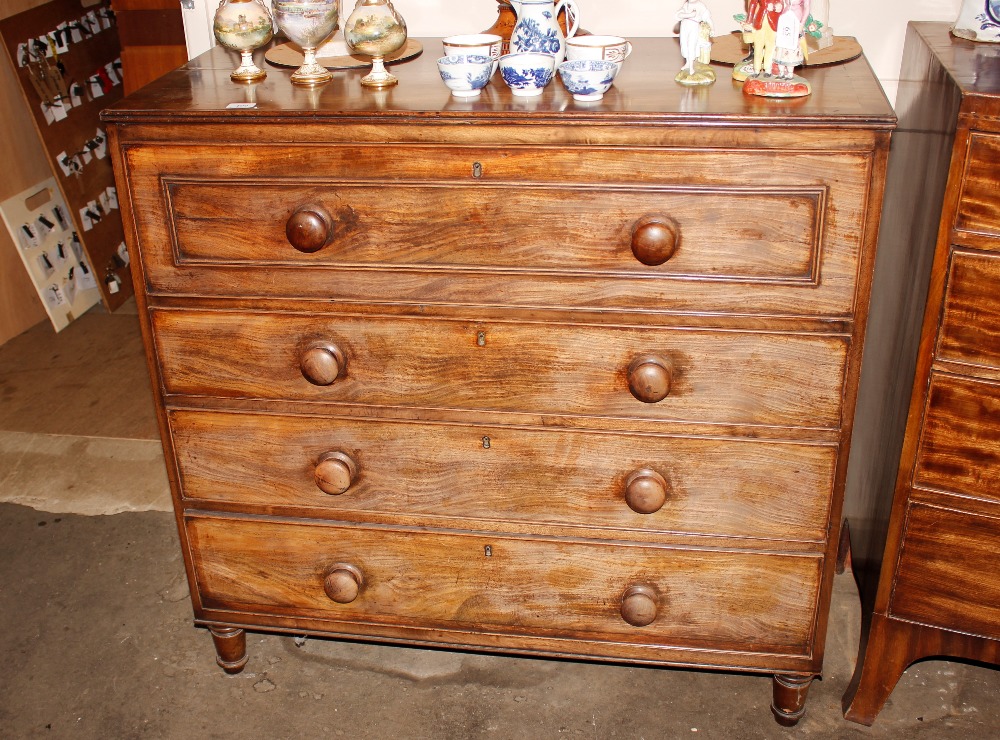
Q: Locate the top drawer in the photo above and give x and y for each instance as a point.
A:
(565, 227)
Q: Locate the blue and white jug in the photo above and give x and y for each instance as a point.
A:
(537, 27)
(979, 20)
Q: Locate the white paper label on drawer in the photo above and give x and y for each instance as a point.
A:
(242, 105)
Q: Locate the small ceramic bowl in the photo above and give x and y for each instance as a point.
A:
(465, 74)
(588, 79)
(527, 73)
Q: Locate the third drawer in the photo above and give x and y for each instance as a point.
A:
(516, 477)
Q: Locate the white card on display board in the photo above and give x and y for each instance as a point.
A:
(59, 112)
(85, 220)
(69, 286)
(85, 277)
(53, 296)
(45, 264)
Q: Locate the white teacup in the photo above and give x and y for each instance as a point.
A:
(474, 44)
(608, 48)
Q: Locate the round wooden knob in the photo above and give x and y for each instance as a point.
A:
(309, 228)
(343, 583)
(649, 378)
(639, 605)
(646, 491)
(322, 363)
(655, 239)
(335, 472)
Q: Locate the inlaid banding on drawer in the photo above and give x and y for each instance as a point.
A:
(970, 324)
(960, 441)
(752, 602)
(715, 376)
(512, 476)
(544, 228)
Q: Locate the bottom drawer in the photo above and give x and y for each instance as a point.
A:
(472, 582)
(946, 575)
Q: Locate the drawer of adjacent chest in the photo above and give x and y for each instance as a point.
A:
(959, 448)
(656, 374)
(970, 323)
(979, 207)
(359, 579)
(946, 574)
(653, 229)
(535, 479)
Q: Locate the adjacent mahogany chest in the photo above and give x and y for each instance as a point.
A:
(521, 375)
(932, 589)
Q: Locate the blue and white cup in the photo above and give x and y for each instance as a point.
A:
(607, 48)
(486, 44)
(527, 73)
(465, 74)
(588, 79)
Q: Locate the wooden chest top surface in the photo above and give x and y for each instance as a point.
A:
(845, 95)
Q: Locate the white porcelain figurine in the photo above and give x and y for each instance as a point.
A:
(696, 43)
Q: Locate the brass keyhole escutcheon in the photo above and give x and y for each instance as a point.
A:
(486, 443)
(481, 339)
(488, 551)
(477, 170)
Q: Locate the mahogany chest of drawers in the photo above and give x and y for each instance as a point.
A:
(930, 588)
(519, 375)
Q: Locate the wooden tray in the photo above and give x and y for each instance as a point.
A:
(730, 49)
(290, 55)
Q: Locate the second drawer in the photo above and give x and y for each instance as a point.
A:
(701, 376)
(525, 477)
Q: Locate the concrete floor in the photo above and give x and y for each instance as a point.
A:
(97, 640)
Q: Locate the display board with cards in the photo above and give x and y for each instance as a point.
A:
(47, 240)
(67, 60)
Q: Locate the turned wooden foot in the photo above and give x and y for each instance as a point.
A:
(230, 648)
(789, 698)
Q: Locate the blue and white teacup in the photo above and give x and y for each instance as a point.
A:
(527, 73)
(588, 79)
(487, 44)
(465, 74)
(609, 48)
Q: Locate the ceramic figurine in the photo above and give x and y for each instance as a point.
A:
(819, 35)
(744, 67)
(696, 44)
(777, 32)
(243, 25)
(979, 20)
(375, 29)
